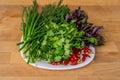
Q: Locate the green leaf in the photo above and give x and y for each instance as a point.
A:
(60, 1)
(93, 40)
(67, 49)
(65, 57)
(72, 21)
(81, 33)
(51, 58)
(44, 56)
(59, 51)
(50, 33)
(84, 20)
(82, 45)
(44, 42)
(57, 58)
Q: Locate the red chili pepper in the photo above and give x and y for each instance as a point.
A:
(76, 51)
(87, 50)
(61, 62)
(66, 62)
(75, 56)
(84, 57)
(71, 58)
(74, 59)
(74, 62)
(54, 63)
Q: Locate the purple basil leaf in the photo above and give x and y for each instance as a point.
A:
(78, 12)
(88, 35)
(97, 29)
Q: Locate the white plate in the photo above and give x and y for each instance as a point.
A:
(46, 65)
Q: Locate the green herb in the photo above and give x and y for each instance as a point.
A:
(35, 32)
(48, 36)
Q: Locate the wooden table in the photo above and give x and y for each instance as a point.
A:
(105, 66)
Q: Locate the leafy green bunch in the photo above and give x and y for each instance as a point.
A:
(48, 36)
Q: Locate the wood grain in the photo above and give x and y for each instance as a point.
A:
(106, 65)
(69, 2)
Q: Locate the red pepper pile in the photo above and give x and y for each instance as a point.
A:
(74, 58)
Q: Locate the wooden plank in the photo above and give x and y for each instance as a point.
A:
(106, 65)
(69, 2)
